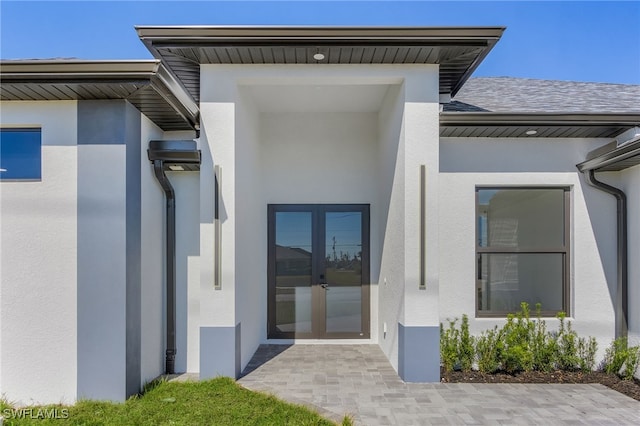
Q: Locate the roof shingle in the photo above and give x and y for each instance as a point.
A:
(520, 95)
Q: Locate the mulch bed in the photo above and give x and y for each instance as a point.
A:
(630, 388)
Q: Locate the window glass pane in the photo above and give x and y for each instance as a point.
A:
(506, 280)
(20, 154)
(521, 218)
(293, 271)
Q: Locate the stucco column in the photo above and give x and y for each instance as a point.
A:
(109, 250)
(219, 332)
(418, 333)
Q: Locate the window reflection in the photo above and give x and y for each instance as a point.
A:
(343, 267)
(293, 271)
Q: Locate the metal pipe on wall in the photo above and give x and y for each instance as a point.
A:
(170, 355)
(174, 155)
(621, 305)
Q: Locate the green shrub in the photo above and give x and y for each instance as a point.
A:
(449, 342)
(517, 358)
(457, 346)
(587, 349)
(543, 345)
(631, 363)
(517, 332)
(621, 359)
(488, 350)
(615, 356)
(466, 351)
(523, 344)
(567, 356)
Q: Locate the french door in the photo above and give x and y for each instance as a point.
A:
(318, 271)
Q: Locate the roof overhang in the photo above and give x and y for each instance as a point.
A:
(147, 84)
(620, 154)
(615, 160)
(545, 125)
(457, 50)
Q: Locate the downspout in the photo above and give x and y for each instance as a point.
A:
(170, 355)
(621, 314)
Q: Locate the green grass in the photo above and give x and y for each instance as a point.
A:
(212, 402)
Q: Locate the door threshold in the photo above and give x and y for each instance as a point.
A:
(320, 342)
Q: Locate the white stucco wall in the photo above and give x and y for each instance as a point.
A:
(421, 147)
(216, 309)
(320, 158)
(391, 227)
(187, 190)
(630, 182)
(38, 222)
(217, 135)
(152, 261)
(251, 247)
(469, 162)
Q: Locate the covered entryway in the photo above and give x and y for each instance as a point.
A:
(318, 271)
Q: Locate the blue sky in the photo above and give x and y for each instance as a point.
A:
(574, 40)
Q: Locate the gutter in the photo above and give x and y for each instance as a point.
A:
(174, 93)
(48, 71)
(277, 34)
(170, 353)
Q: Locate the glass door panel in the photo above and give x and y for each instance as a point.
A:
(318, 271)
(343, 271)
(293, 271)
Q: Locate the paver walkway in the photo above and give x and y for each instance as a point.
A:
(359, 381)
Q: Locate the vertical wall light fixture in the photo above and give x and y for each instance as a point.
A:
(217, 231)
(423, 229)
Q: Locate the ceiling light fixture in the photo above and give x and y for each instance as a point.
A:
(176, 168)
(531, 132)
(318, 56)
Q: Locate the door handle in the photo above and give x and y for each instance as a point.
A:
(323, 282)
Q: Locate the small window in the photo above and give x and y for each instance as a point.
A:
(20, 154)
(522, 249)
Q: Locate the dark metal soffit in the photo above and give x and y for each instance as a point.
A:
(546, 125)
(457, 50)
(145, 83)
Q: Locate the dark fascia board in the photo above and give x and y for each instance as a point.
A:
(278, 34)
(150, 71)
(528, 119)
(25, 71)
(610, 158)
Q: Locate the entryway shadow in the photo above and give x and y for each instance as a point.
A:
(263, 354)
